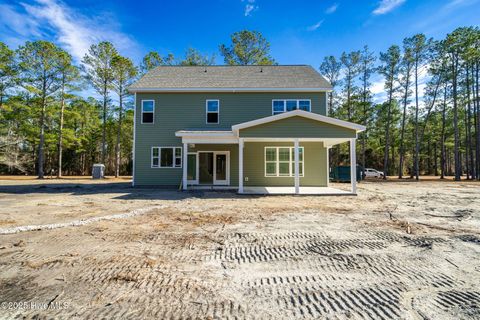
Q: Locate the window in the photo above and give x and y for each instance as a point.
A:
(278, 106)
(147, 111)
(166, 157)
(280, 161)
(281, 106)
(213, 110)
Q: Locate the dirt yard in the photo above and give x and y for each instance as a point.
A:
(78, 249)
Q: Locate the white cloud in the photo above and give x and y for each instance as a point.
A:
(73, 31)
(315, 26)
(250, 6)
(332, 8)
(385, 6)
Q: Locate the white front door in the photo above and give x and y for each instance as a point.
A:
(221, 168)
(212, 167)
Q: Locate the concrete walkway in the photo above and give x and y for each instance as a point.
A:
(320, 191)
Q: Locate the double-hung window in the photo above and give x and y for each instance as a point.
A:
(285, 105)
(213, 111)
(166, 157)
(148, 109)
(280, 161)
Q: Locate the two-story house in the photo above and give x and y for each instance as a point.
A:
(248, 127)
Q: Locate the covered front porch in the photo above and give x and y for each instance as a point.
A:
(280, 154)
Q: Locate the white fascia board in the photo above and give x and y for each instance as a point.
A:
(301, 113)
(134, 90)
(200, 140)
(205, 134)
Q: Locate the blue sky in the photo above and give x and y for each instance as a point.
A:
(300, 32)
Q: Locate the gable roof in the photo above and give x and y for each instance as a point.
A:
(232, 78)
(301, 113)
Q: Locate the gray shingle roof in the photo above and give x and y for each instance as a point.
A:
(231, 77)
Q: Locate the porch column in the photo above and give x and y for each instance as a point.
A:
(327, 149)
(353, 165)
(297, 167)
(185, 164)
(240, 165)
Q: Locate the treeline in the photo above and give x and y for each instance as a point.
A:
(429, 121)
(48, 128)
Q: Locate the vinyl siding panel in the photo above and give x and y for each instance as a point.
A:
(297, 127)
(180, 111)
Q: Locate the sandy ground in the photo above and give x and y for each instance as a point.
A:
(401, 250)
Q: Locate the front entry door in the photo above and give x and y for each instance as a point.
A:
(214, 167)
(221, 167)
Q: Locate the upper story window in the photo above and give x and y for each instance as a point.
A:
(148, 109)
(213, 111)
(281, 106)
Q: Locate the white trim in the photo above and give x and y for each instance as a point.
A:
(204, 133)
(233, 90)
(153, 112)
(207, 112)
(353, 166)
(184, 165)
(328, 165)
(210, 140)
(240, 165)
(160, 157)
(328, 141)
(225, 182)
(277, 162)
(297, 166)
(215, 181)
(297, 106)
(301, 113)
(134, 135)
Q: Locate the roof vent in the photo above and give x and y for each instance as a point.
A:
(205, 70)
(261, 69)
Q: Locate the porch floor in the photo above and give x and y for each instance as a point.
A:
(321, 191)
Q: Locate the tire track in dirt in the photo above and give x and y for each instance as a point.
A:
(333, 280)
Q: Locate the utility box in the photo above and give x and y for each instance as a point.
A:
(342, 174)
(98, 171)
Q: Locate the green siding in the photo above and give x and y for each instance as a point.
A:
(297, 127)
(179, 111)
(315, 165)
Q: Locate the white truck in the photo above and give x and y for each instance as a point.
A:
(372, 173)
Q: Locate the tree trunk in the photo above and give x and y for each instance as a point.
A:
(119, 132)
(417, 147)
(387, 132)
(477, 119)
(402, 133)
(104, 131)
(442, 142)
(41, 152)
(60, 133)
(330, 104)
(365, 117)
(455, 119)
(469, 130)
